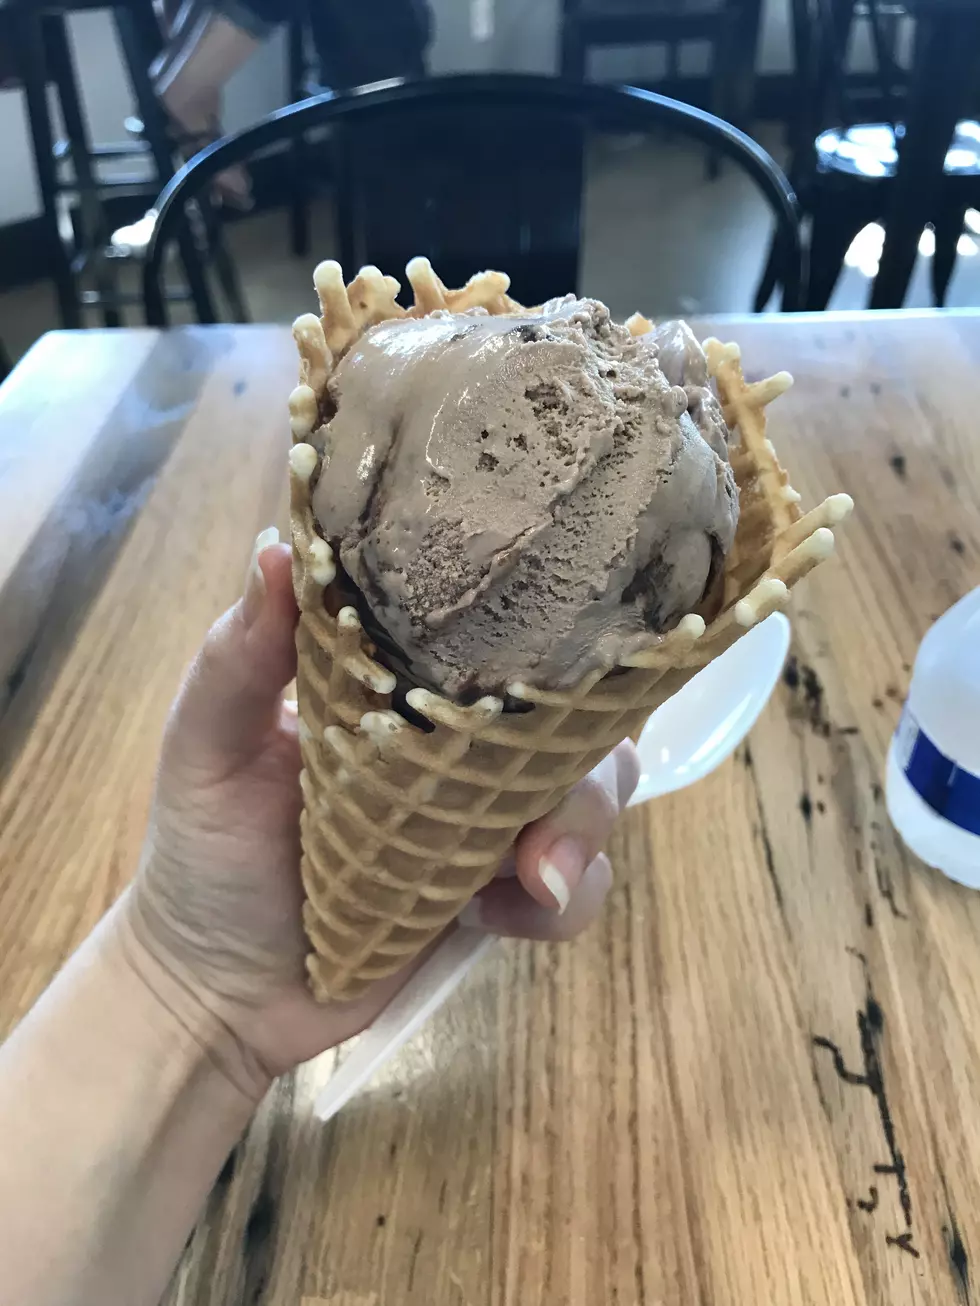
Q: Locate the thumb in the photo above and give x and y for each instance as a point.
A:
(231, 697)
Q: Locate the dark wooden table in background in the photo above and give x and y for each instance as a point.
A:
(757, 1080)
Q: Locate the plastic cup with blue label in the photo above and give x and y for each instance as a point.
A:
(933, 774)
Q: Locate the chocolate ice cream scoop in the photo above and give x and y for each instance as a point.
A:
(524, 498)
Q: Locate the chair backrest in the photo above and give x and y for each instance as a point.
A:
(822, 31)
(472, 171)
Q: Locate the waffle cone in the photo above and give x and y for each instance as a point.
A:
(401, 826)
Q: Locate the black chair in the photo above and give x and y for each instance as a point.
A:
(472, 171)
(72, 182)
(848, 170)
(729, 27)
(938, 174)
(333, 47)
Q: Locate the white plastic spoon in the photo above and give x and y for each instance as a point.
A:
(684, 740)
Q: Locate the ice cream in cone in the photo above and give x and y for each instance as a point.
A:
(515, 533)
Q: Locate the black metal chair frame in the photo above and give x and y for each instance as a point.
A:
(42, 47)
(840, 204)
(731, 29)
(628, 108)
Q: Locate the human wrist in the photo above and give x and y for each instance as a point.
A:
(178, 1002)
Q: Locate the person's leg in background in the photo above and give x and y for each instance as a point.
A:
(205, 46)
(358, 43)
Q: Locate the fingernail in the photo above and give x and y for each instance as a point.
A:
(561, 868)
(472, 915)
(254, 594)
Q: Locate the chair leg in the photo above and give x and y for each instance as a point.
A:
(769, 279)
(721, 84)
(93, 224)
(25, 27)
(743, 19)
(343, 198)
(6, 367)
(719, 98)
(948, 226)
(833, 226)
(224, 264)
(155, 130)
(299, 206)
(942, 75)
(573, 54)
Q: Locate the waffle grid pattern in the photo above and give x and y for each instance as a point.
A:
(401, 826)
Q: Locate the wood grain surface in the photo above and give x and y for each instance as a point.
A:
(757, 1080)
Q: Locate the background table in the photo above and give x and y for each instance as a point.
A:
(757, 1080)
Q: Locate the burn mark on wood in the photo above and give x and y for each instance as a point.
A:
(871, 1024)
(808, 696)
(897, 463)
(869, 1203)
(771, 868)
(227, 1172)
(869, 916)
(847, 1076)
(414, 1259)
(957, 545)
(760, 829)
(806, 807)
(904, 1242)
(257, 1242)
(959, 1262)
(886, 888)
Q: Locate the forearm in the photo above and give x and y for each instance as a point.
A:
(119, 1102)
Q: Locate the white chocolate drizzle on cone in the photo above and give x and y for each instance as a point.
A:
(403, 824)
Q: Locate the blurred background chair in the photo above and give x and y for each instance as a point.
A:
(729, 28)
(333, 48)
(851, 170)
(4, 362)
(938, 173)
(85, 186)
(473, 171)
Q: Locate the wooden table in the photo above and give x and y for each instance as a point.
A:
(756, 1081)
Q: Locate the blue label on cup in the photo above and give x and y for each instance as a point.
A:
(950, 791)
